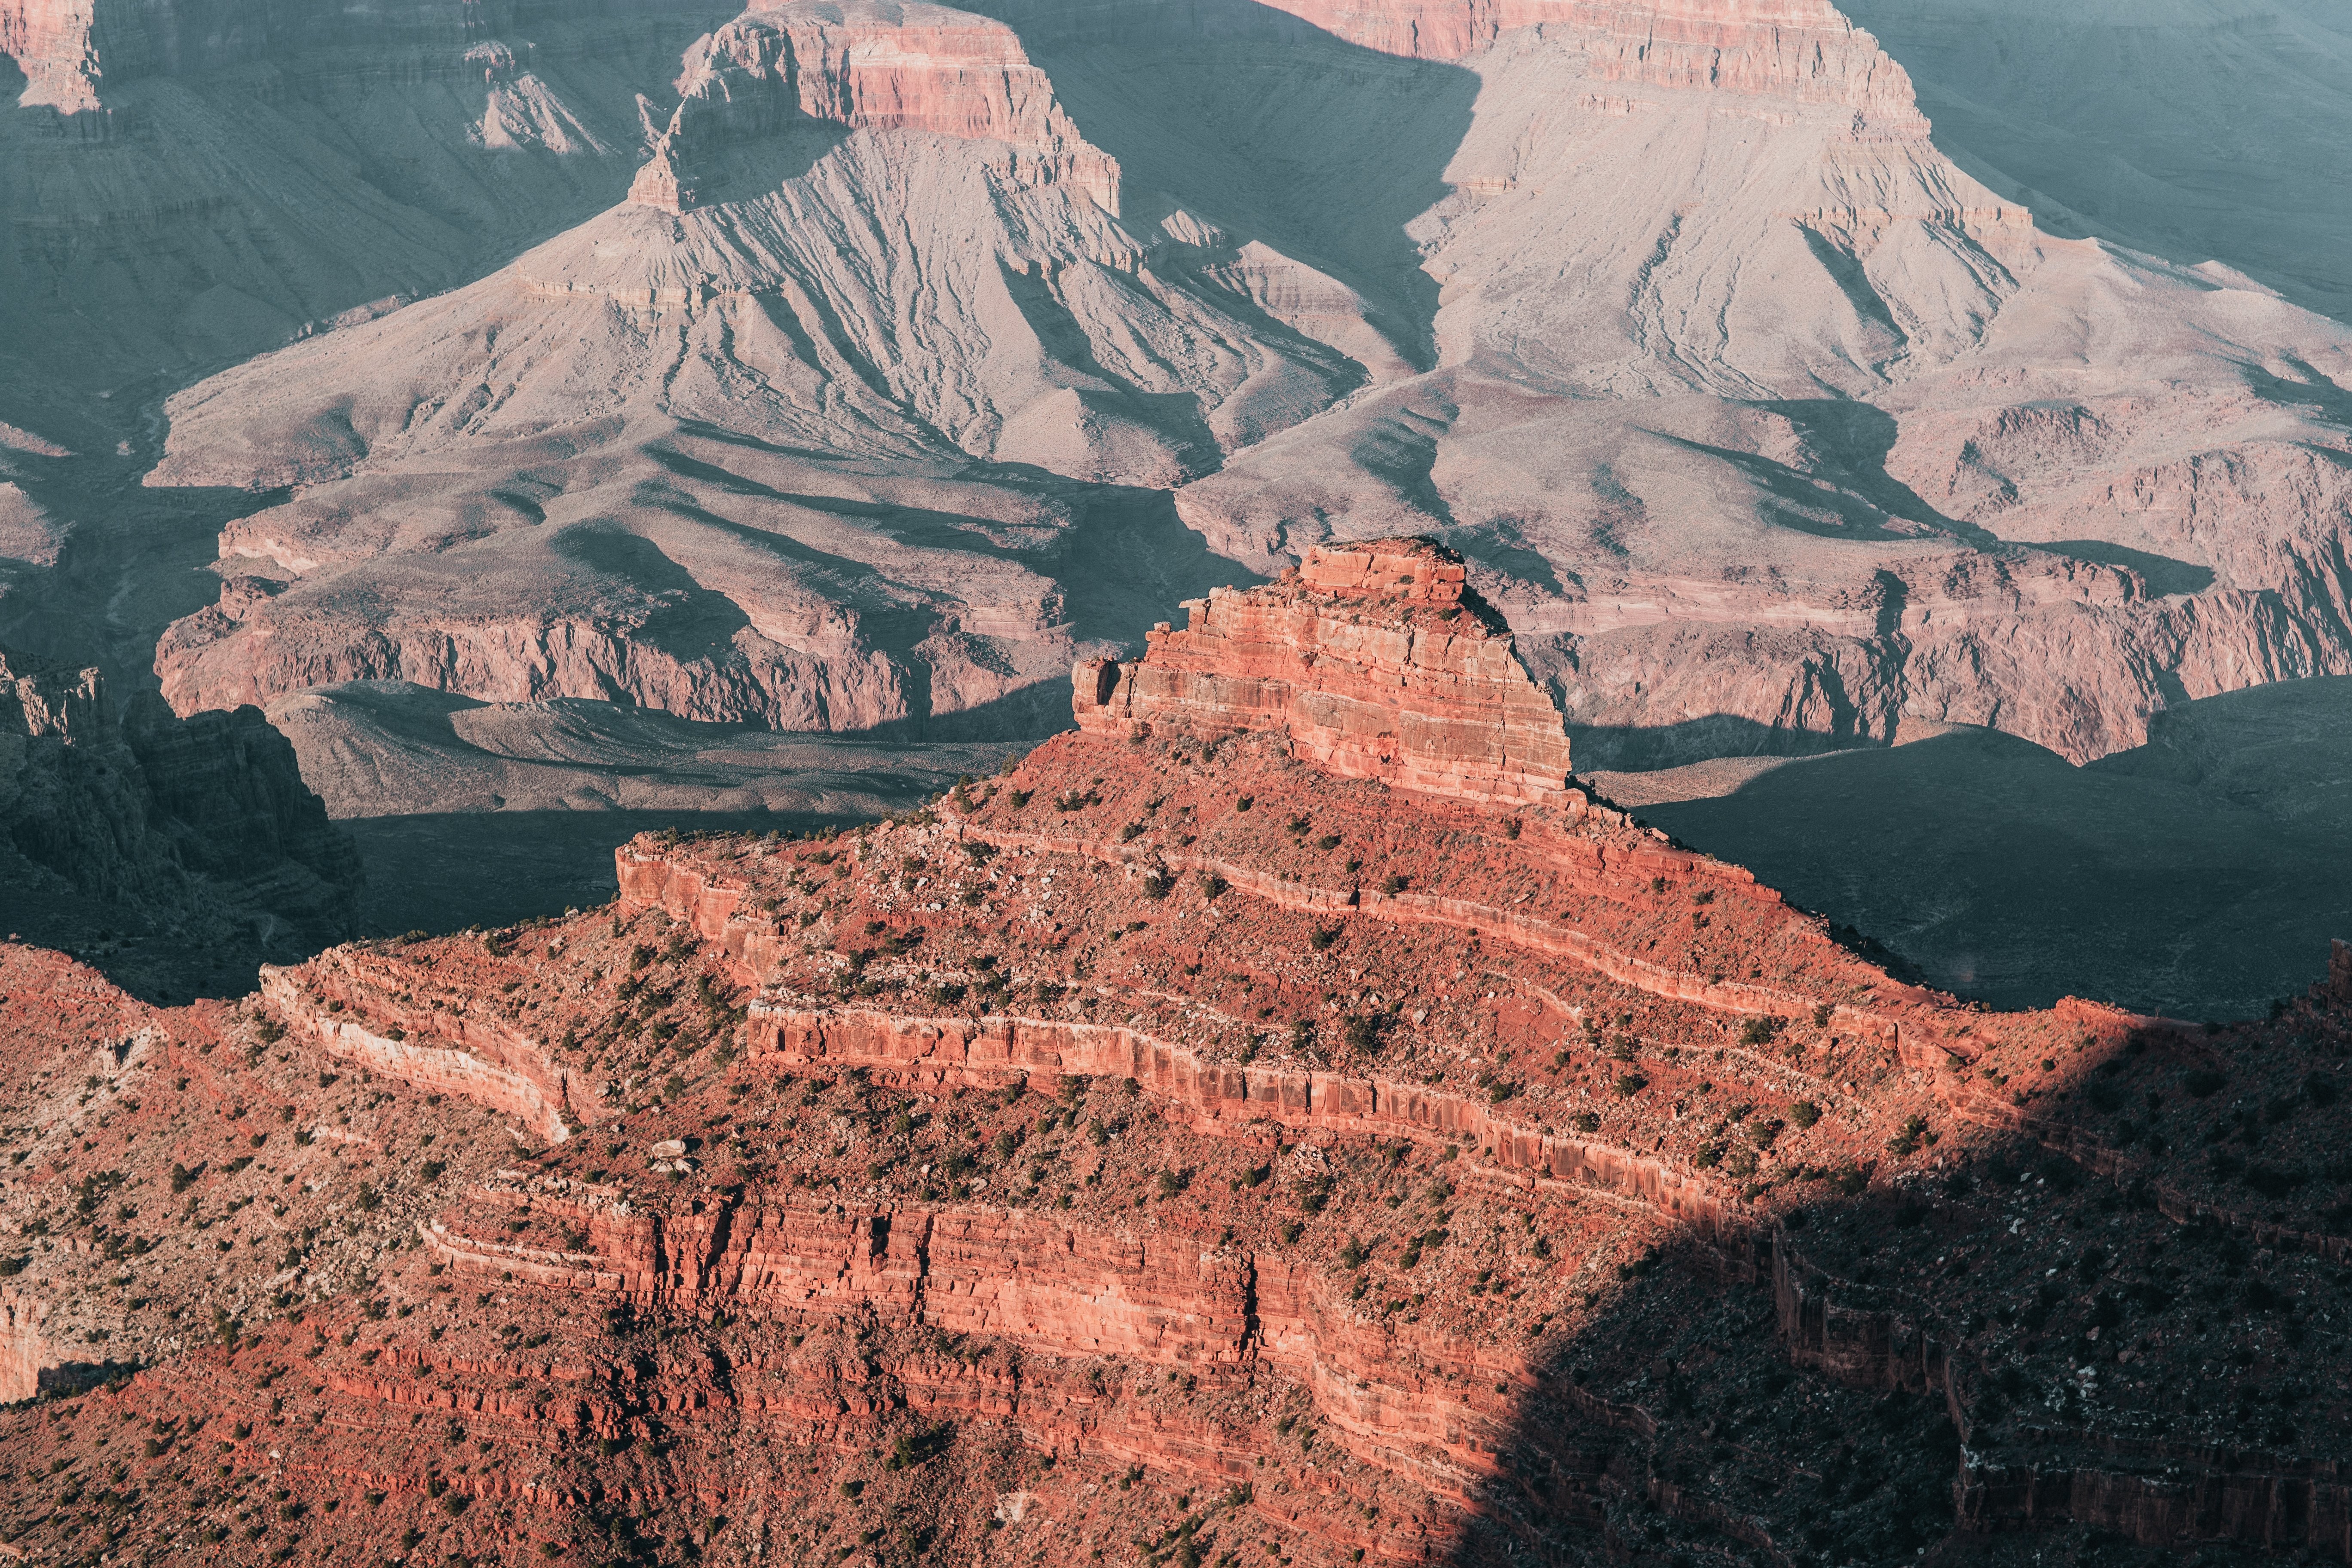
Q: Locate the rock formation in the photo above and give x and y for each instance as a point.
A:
(1377, 661)
(899, 289)
(1762, 425)
(1173, 1139)
(183, 834)
(884, 65)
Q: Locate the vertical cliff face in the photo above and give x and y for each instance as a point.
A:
(1378, 661)
(1805, 50)
(876, 65)
(21, 1348)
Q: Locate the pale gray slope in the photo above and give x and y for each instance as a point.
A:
(1770, 428)
(815, 455)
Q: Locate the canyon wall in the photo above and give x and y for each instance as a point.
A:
(159, 818)
(1803, 49)
(1421, 1405)
(22, 1350)
(1222, 1096)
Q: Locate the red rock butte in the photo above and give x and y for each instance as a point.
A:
(1378, 658)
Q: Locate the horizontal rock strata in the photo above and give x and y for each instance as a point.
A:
(1376, 659)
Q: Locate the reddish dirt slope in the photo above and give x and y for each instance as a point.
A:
(1168, 1151)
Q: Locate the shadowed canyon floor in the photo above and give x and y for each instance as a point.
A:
(1192, 1143)
(2197, 876)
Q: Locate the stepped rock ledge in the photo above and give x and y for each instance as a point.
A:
(1379, 660)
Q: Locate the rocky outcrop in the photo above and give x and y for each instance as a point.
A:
(884, 65)
(820, 672)
(1803, 49)
(160, 819)
(21, 1350)
(1436, 1417)
(1376, 660)
(722, 907)
(1223, 1098)
(354, 1009)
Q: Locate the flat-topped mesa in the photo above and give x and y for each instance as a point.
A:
(1377, 658)
(881, 65)
(1804, 50)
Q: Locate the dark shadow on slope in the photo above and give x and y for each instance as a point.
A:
(1251, 118)
(1020, 719)
(1845, 269)
(1500, 545)
(1176, 417)
(2311, 389)
(2163, 574)
(2197, 876)
(1400, 448)
(450, 870)
(1741, 1397)
(752, 168)
(1825, 502)
(1630, 749)
(1854, 438)
(1130, 560)
(2211, 132)
(133, 560)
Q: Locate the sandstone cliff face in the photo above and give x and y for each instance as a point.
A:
(1802, 49)
(22, 1352)
(438, 1048)
(1377, 662)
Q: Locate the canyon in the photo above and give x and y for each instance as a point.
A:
(1185, 1143)
(1333, 782)
(698, 411)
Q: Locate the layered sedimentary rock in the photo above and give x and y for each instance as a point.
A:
(1173, 1138)
(1761, 423)
(884, 65)
(1741, 469)
(442, 1046)
(21, 1350)
(876, 275)
(1804, 50)
(1376, 660)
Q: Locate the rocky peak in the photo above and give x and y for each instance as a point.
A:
(1409, 571)
(874, 65)
(1379, 660)
(47, 700)
(657, 184)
